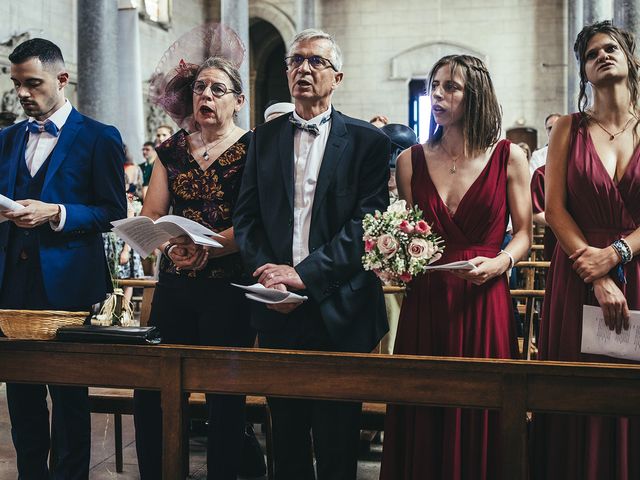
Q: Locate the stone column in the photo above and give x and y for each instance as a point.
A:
(597, 10)
(627, 15)
(130, 120)
(97, 59)
(306, 14)
(575, 19)
(235, 14)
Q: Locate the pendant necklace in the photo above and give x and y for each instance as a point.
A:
(452, 169)
(205, 155)
(612, 136)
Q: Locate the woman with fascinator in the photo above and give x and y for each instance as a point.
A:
(198, 176)
(466, 182)
(593, 206)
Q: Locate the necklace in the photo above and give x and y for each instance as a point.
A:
(612, 136)
(452, 169)
(205, 155)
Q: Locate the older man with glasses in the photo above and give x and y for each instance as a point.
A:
(310, 177)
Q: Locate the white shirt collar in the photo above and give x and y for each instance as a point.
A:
(59, 117)
(317, 120)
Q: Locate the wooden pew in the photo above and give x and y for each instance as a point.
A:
(512, 387)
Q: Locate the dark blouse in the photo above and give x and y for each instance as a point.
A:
(207, 197)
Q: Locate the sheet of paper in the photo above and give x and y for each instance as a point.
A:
(461, 265)
(7, 204)
(598, 339)
(259, 293)
(144, 236)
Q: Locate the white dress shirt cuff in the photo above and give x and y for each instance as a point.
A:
(63, 219)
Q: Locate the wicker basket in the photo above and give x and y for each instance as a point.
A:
(37, 324)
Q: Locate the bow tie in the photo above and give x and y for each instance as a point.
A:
(48, 126)
(312, 128)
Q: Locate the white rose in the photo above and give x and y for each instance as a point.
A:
(419, 248)
(387, 245)
(399, 206)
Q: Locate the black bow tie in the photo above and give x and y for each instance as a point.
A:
(312, 128)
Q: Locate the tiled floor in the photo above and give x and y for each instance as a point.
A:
(102, 451)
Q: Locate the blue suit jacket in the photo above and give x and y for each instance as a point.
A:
(86, 175)
(352, 182)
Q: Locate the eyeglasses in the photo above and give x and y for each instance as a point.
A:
(316, 62)
(217, 89)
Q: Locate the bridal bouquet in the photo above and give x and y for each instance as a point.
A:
(399, 244)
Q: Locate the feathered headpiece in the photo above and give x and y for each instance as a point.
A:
(170, 84)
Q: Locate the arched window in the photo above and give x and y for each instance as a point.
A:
(419, 109)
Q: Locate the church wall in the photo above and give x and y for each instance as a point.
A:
(385, 44)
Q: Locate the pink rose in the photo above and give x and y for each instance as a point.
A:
(423, 227)
(419, 248)
(405, 227)
(369, 245)
(387, 245)
(405, 277)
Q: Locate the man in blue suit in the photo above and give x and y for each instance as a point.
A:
(310, 178)
(68, 172)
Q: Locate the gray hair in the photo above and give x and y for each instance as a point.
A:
(315, 34)
(224, 65)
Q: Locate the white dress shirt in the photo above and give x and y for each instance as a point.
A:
(40, 146)
(538, 158)
(308, 150)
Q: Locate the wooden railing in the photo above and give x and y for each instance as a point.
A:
(513, 387)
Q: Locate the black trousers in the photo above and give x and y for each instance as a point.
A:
(23, 288)
(302, 428)
(196, 312)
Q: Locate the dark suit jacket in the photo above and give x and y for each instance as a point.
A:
(352, 182)
(86, 175)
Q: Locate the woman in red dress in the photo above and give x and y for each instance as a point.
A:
(467, 183)
(593, 207)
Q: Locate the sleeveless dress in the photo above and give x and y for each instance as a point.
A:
(537, 202)
(575, 447)
(444, 315)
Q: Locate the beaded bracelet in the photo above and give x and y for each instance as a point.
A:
(623, 250)
(511, 260)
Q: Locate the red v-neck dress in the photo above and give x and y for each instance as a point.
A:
(571, 447)
(444, 315)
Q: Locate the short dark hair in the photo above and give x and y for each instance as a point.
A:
(149, 144)
(551, 115)
(46, 51)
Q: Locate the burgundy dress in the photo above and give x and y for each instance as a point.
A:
(444, 315)
(572, 447)
(537, 202)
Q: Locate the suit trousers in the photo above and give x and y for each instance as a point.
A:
(23, 288)
(197, 312)
(302, 428)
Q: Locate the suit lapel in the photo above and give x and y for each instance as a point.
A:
(336, 144)
(286, 160)
(19, 147)
(67, 137)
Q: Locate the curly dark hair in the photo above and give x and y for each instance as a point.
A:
(482, 113)
(627, 43)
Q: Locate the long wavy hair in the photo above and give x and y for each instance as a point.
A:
(627, 43)
(482, 113)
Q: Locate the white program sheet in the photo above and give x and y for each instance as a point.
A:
(598, 339)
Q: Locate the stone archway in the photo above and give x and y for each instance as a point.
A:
(270, 13)
(411, 63)
(268, 78)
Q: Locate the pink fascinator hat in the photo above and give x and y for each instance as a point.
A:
(170, 84)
